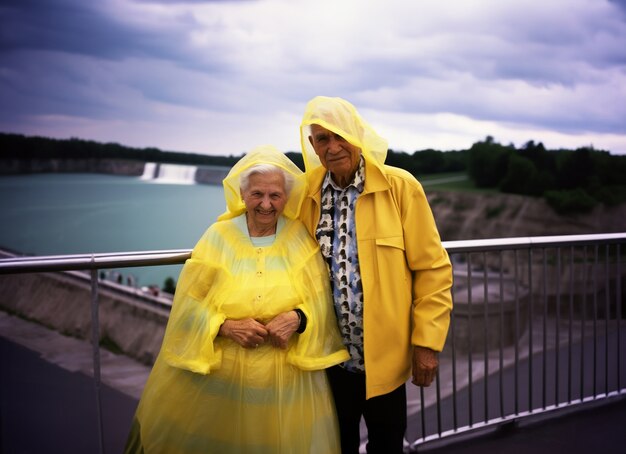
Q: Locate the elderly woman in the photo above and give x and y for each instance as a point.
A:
(250, 331)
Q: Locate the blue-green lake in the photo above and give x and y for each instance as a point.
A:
(50, 214)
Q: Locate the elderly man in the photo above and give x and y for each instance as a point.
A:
(389, 273)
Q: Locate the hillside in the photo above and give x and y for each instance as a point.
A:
(465, 216)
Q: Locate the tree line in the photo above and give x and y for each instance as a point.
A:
(17, 146)
(570, 180)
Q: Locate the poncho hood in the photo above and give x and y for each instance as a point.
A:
(265, 154)
(341, 117)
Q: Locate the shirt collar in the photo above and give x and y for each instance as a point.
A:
(358, 182)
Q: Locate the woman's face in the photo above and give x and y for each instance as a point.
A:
(265, 198)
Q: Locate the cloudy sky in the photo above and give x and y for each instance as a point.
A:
(220, 77)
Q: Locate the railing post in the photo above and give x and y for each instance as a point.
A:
(501, 353)
(544, 348)
(531, 302)
(95, 341)
(485, 338)
(570, 335)
(618, 311)
(557, 334)
(453, 345)
(470, 375)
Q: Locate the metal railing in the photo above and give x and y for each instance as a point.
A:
(537, 326)
(93, 263)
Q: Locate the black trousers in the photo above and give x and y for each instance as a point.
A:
(385, 416)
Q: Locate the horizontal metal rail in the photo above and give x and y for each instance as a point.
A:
(496, 244)
(34, 264)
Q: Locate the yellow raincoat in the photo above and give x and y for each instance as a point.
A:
(405, 271)
(207, 394)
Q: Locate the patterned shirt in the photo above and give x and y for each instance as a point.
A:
(336, 234)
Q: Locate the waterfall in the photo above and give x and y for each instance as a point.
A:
(149, 171)
(169, 173)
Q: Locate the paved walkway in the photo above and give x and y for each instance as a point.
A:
(48, 404)
(598, 429)
(74, 355)
(47, 394)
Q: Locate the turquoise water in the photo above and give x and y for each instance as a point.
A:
(49, 214)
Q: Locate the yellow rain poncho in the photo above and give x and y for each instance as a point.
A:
(207, 394)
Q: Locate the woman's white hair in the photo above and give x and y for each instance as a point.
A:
(265, 169)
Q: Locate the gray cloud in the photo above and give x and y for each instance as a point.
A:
(65, 26)
(557, 69)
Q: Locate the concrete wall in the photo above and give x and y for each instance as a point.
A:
(62, 302)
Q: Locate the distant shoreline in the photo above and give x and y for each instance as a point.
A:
(126, 167)
(459, 215)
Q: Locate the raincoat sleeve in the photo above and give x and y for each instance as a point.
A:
(195, 320)
(429, 263)
(320, 345)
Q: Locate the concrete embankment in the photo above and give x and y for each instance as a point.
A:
(129, 324)
(468, 216)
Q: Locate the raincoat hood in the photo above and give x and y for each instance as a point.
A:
(341, 117)
(265, 154)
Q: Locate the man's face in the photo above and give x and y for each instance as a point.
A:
(337, 155)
